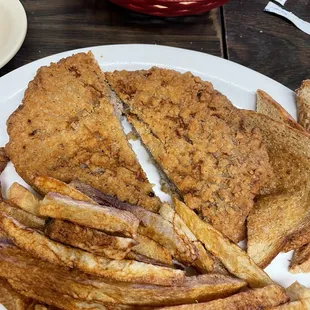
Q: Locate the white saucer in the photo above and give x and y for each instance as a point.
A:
(13, 28)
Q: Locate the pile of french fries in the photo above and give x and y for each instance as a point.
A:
(78, 248)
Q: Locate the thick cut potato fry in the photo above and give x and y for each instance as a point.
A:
(235, 260)
(24, 199)
(120, 270)
(22, 216)
(45, 294)
(11, 299)
(88, 239)
(204, 262)
(16, 264)
(151, 249)
(45, 185)
(88, 214)
(152, 225)
(261, 298)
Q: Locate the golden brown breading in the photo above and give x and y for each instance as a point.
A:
(4, 159)
(197, 136)
(67, 128)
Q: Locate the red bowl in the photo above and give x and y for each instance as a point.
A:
(170, 7)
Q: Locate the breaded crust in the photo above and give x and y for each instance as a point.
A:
(15, 264)
(120, 270)
(4, 159)
(88, 239)
(67, 128)
(197, 136)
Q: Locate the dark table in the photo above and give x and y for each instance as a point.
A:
(239, 31)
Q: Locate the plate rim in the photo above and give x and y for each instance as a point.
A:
(23, 26)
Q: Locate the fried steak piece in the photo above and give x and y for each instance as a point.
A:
(68, 128)
(197, 136)
(4, 159)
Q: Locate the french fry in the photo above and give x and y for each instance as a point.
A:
(152, 250)
(204, 262)
(119, 270)
(11, 299)
(88, 239)
(45, 185)
(261, 298)
(22, 216)
(152, 225)
(88, 214)
(24, 199)
(17, 264)
(44, 294)
(235, 260)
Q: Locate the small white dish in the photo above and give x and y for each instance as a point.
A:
(13, 28)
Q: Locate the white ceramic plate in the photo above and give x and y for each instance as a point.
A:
(235, 81)
(13, 28)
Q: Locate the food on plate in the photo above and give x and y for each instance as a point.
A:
(205, 262)
(11, 299)
(88, 239)
(16, 264)
(100, 238)
(148, 249)
(235, 260)
(42, 247)
(303, 103)
(88, 214)
(197, 137)
(266, 105)
(301, 260)
(62, 301)
(4, 159)
(23, 198)
(280, 220)
(47, 185)
(275, 220)
(22, 216)
(67, 128)
(152, 225)
(261, 298)
(299, 298)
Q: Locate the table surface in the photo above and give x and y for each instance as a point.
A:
(239, 31)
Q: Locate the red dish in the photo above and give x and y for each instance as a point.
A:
(170, 7)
